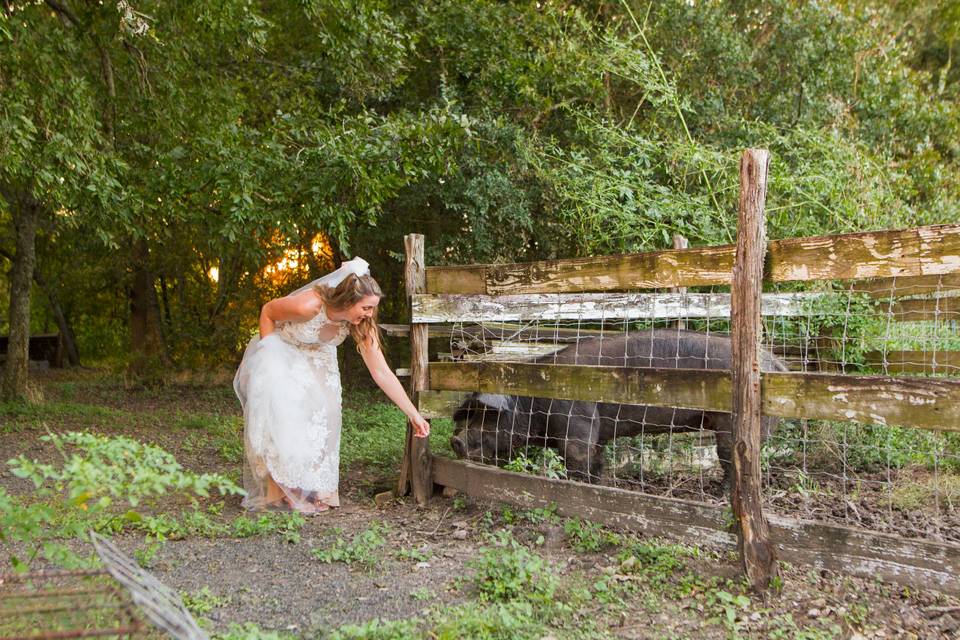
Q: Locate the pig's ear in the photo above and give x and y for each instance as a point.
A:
(482, 402)
(495, 401)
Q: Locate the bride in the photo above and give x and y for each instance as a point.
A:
(289, 386)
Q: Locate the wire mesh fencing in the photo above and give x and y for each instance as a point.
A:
(877, 476)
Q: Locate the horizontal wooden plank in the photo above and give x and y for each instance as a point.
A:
(497, 331)
(511, 351)
(926, 403)
(683, 388)
(926, 310)
(403, 331)
(947, 362)
(439, 404)
(468, 279)
(932, 250)
(652, 515)
(909, 401)
(910, 286)
(597, 306)
(900, 560)
(395, 330)
(652, 270)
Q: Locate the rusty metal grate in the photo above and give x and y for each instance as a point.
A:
(113, 602)
(54, 605)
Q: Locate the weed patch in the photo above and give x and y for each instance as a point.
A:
(361, 549)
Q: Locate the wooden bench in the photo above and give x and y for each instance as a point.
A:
(46, 346)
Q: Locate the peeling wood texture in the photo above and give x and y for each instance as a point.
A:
(932, 250)
(436, 309)
(946, 362)
(926, 403)
(904, 561)
(753, 533)
(597, 306)
(657, 269)
(680, 242)
(923, 251)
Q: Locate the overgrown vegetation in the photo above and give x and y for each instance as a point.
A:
(100, 486)
(505, 130)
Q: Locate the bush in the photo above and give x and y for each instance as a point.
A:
(102, 481)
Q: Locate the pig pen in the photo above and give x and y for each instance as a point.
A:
(859, 473)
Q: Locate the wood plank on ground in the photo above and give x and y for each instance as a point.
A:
(892, 558)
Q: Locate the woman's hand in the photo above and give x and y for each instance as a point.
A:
(421, 428)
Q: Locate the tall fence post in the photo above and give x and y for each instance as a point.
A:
(756, 550)
(416, 460)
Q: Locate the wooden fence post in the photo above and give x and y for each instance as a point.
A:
(756, 550)
(416, 459)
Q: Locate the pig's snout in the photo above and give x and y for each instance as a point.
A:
(459, 446)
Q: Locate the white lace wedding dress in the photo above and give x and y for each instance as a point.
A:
(289, 387)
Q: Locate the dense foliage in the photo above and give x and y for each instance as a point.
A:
(190, 160)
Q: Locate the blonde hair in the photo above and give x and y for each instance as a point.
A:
(352, 290)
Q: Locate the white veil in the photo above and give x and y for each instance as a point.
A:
(357, 266)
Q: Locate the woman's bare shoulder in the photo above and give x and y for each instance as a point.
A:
(308, 302)
(301, 306)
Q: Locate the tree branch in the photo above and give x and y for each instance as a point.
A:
(64, 11)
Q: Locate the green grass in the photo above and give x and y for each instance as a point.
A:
(20, 415)
(374, 431)
(868, 448)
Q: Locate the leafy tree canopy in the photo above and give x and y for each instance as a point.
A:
(242, 146)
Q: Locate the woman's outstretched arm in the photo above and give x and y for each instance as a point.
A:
(387, 381)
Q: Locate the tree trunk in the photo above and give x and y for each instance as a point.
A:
(25, 219)
(146, 339)
(63, 325)
(67, 335)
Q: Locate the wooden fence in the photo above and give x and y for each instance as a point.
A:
(913, 261)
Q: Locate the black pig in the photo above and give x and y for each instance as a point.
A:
(492, 428)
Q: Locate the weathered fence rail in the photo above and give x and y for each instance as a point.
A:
(924, 251)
